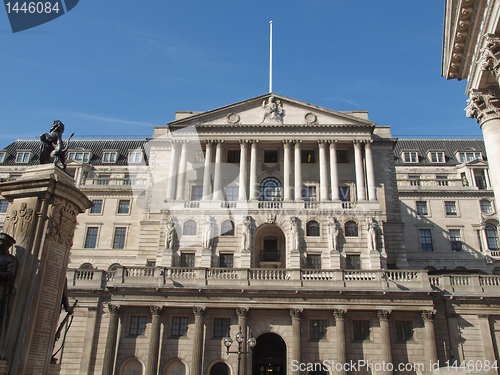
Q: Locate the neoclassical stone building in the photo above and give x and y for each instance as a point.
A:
(315, 230)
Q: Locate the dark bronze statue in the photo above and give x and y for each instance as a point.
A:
(53, 145)
(8, 269)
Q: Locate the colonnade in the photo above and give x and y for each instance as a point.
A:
(328, 177)
(295, 349)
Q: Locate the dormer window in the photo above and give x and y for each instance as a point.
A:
(81, 156)
(436, 156)
(109, 157)
(23, 157)
(135, 157)
(465, 156)
(3, 156)
(410, 157)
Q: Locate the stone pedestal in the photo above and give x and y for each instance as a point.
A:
(206, 258)
(246, 259)
(375, 260)
(44, 204)
(335, 260)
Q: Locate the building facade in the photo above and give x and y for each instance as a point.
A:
(314, 231)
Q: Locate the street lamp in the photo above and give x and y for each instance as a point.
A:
(240, 338)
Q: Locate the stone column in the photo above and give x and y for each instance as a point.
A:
(242, 314)
(485, 107)
(242, 193)
(370, 173)
(340, 333)
(333, 171)
(454, 337)
(49, 203)
(323, 171)
(181, 178)
(298, 171)
(385, 336)
(207, 170)
(110, 348)
(253, 171)
(360, 177)
(486, 339)
(296, 315)
(199, 313)
(88, 341)
(154, 341)
(429, 336)
(218, 196)
(172, 171)
(287, 168)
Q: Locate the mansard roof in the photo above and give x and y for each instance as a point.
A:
(96, 146)
(295, 113)
(450, 146)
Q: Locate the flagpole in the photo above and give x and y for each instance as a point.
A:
(271, 57)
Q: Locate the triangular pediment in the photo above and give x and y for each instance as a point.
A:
(476, 163)
(273, 110)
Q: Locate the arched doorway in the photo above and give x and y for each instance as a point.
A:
(220, 368)
(269, 355)
(270, 247)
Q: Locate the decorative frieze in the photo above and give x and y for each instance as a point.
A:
(62, 222)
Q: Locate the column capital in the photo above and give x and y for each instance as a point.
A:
(333, 143)
(488, 59)
(156, 311)
(114, 309)
(383, 315)
(483, 105)
(368, 143)
(357, 143)
(322, 143)
(218, 141)
(296, 313)
(287, 142)
(428, 315)
(296, 141)
(242, 312)
(253, 141)
(209, 142)
(244, 142)
(339, 314)
(199, 312)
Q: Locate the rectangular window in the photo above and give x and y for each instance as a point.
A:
(221, 326)
(469, 156)
(109, 157)
(437, 157)
(96, 207)
(455, 240)
(4, 204)
(451, 208)
(124, 207)
(314, 261)
(23, 157)
(199, 156)
(308, 156)
(226, 260)
(232, 193)
(135, 157)
(410, 157)
(318, 329)
(79, 156)
(309, 193)
(2, 157)
(425, 239)
(486, 207)
(179, 326)
(91, 237)
(404, 330)
(345, 193)
(270, 156)
(353, 262)
(151, 263)
(137, 325)
(360, 330)
(422, 208)
(196, 193)
(119, 240)
(342, 156)
(233, 156)
(479, 178)
(187, 260)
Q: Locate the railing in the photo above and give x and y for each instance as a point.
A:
(228, 204)
(269, 274)
(495, 253)
(271, 205)
(424, 183)
(192, 204)
(349, 205)
(311, 205)
(114, 181)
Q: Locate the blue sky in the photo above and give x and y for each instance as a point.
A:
(120, 67)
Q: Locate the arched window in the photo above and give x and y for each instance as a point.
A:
(270, 189)
(219, 368)
(175, 367)
(351, 229)
(492, 237)
(189, 228)
(131, 366)
(114, 266)
(86, 266)
(227, 228)
(312, 228)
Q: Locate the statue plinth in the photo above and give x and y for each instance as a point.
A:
(44, 204)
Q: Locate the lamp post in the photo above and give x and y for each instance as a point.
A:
(240, 338)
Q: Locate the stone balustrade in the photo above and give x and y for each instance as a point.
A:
(87, 182)
(431, 184)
